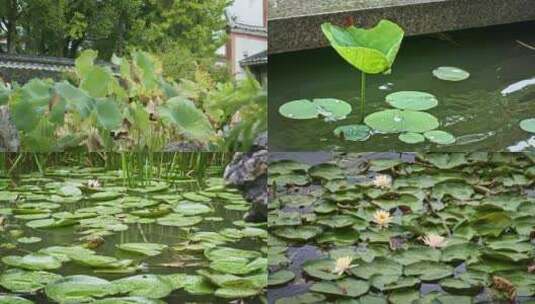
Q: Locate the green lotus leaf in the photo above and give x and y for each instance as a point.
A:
(29, 240)
(347, 287)
(51, 223)
(75, 98)
(440, 137)
(286, 167)
(78, 289)
(381, 266)
(219, 253)
(397, 121)
(257, 281)
(337, 221)
(65, 253)
(18, 280)
(372, 50)
(330, 108)
(179, 220)
(457, 286)
(238, 266)
(280, 277)
(306, 298)
(403, 296)
(189, 120)
(150, 249)
(299, 109)
(128, 300)
(33, 261)
(326, 172)
(97, 81)
(411, 138)
(321, 269)
(428, 271)
(85, 62)
(144, 285)
(402, 283)
(491, 223)
(353, 132)
(108, 114)
(528, 125)
(450, 74)
(186, 208)
(101, 261)
(412, 100)
(69, 190)
(8, 299)
(303, 233)
(236, 293)
(192, 196)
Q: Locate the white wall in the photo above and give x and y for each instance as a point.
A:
(248, 11)
(245, 47)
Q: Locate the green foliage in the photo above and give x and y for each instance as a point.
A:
(134, 107)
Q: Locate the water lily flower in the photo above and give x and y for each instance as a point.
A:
(382, 181)
(93, 184)
(382, 218)
(343, 264)
(434, 240)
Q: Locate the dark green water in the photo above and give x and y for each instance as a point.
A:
(475, 110)
(185, 261)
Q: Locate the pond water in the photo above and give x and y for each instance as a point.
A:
(116, 220)
(334, 198)
(483, 112)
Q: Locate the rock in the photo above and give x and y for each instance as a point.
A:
(248, 172)
(9, 136)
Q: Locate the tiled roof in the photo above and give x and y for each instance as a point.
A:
(239, 27)
(54, 64)
(256, 59)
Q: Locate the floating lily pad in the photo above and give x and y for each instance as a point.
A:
(236, 292)
(347, 287)
(33, 261)
(528, 125)
(321, 269)
(412, 100)
(144, 285)
(8, 299)
(411, 138)
(179, 220)
(353, 132)
(150, 249)
(186, 208)
(299, 109)
(29, 240)
(450, 73)
(128, 300)
(18, 280)
(440, 137)
(239, 266)
(280, 277)
(333, 109)
(218, 253)
(306, 298)
(398, 121)
(303, 233)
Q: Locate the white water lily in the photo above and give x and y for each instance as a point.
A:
(343, 264)
(93, 184)
(382, 218)
(382, 181)
(434, 240)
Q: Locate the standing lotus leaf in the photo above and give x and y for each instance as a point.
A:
(528, 125)
(440, 137)
(353, 132)
(412, 100)
(372, 50)
(450, 74)
(396, 121)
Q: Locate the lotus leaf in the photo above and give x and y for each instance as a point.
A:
(101, 261)
(306, 298)
(179, 220)
(353, 132)
(403, 296)
(332, 109)
(69, 190)
(279, 277)
(303, 233)
(33, 261)
(145, 285)
(372, 50)
(428, 271)
(411, 138)
(78, 289)
(227, 252)
(398, 121)
(17, 280)
(238, 266)
(450, 73)
(51, 223)
(440, 137)
(186, 208)
(347, 287)
(29, 240)
(108, 114)
(189, 120)
(380, 266)
(321, 269)
(457, 286)
(8, 299)
(150, 249)
(326, 172)
(128, 300)
(236, 293)
(528, 125)
(412, 100)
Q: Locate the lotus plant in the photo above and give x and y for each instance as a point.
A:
(371, 51)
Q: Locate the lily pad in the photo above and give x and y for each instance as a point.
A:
(18, 280)
(8, 299)
(353, 132)
(144, 285)
(528, 125)
(347, 287)
(412, 100)
(299, 109)
(150, 249)
(321, 269)
(450, 73)
(440, 137)
(78, 289)
(280, 277)
(398, 121)
(330, 108)
(179, 220)
(411, 138)
(33, 261)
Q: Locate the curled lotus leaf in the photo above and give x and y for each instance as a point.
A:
(528, 125)
(398, 121)
(440, 137)
(412, 100)
(353, 132)
(450, 73)
(372, 50)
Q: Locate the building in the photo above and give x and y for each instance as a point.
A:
(247, 44)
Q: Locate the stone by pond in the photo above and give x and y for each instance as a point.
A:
(84, 235)
(379, 228)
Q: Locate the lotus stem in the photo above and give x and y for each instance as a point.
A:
(362, 95)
